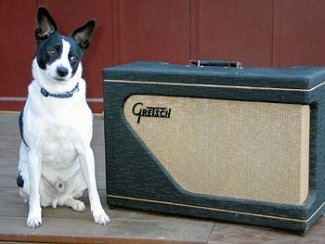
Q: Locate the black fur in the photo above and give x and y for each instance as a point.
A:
(21, 127)
(20, 180)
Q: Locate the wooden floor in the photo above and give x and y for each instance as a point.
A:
(127, 226)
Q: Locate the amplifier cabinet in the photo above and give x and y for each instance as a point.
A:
(244, 145)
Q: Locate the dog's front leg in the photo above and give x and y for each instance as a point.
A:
(34, 219)
(87, 162)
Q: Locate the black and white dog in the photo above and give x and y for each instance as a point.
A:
(56, 161)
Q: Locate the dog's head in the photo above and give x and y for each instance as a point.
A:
(59, 56)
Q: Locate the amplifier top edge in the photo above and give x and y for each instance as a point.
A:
(171, 83)
(297, 77)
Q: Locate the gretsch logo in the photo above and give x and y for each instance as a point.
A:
(155, 112)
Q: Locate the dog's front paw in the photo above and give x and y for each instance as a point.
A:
(34, 221)
(101, 217)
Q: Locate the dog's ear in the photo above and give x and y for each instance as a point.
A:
(84, 34)
(45, 24)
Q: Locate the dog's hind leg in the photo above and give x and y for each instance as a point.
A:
(72, 189)
(22, 187)
(75, 204)
(22, 179)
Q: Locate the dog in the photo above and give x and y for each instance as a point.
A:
(56, 162)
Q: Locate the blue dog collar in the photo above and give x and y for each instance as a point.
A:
(67, 94)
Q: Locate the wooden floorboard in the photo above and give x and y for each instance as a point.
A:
(62, 225)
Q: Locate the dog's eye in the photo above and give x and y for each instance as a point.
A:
(52, 51)
(73, 58)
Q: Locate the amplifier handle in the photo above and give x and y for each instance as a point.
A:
(217, 63)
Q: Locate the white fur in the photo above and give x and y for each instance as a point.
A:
(58, 163)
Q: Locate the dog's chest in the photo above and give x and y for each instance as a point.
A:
(58, 147)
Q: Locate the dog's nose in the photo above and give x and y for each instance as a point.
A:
(62, 71)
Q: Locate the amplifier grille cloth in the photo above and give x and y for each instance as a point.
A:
(237, 149)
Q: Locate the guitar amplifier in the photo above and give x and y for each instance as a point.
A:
(244, 145)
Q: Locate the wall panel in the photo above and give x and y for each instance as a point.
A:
(152, 30)
(17, 48)
(236, 30)
(16, 56)
(273, 33)
(301, 32)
